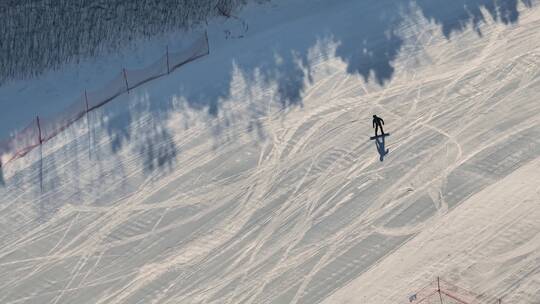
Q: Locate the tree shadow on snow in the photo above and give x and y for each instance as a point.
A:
(151, 138)
(455, 16)
(366, 40)
(365, 36)
(158, 149)
(118, 129)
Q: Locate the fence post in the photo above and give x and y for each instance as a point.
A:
(167, 52)
(86, 101)
(207, 43)
(39, 130)
(125, 78)
(88, 122)
(40, 155)
(439, 289)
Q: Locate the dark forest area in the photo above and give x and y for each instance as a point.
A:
(36, 35)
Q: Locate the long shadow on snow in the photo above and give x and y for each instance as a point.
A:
(367, 41)
(455, 16)
(152, 141)
(381, 149)
(368, 44)
(2, 182)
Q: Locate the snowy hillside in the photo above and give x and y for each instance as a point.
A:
(248, 176)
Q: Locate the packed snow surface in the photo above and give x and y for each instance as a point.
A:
(248, 176)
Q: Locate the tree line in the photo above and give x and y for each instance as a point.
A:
(36, 35)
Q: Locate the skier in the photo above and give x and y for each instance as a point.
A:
(378, 123)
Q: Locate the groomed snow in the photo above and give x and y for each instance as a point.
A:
(249, 177)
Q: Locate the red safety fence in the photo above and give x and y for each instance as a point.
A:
(443, 292)
(43, 129)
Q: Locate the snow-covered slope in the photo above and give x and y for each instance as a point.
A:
(249, 177)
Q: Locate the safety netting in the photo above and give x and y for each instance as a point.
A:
(444, 292)
(43, 129)
(20, 143)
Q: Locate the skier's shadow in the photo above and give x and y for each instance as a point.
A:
(379, 143)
